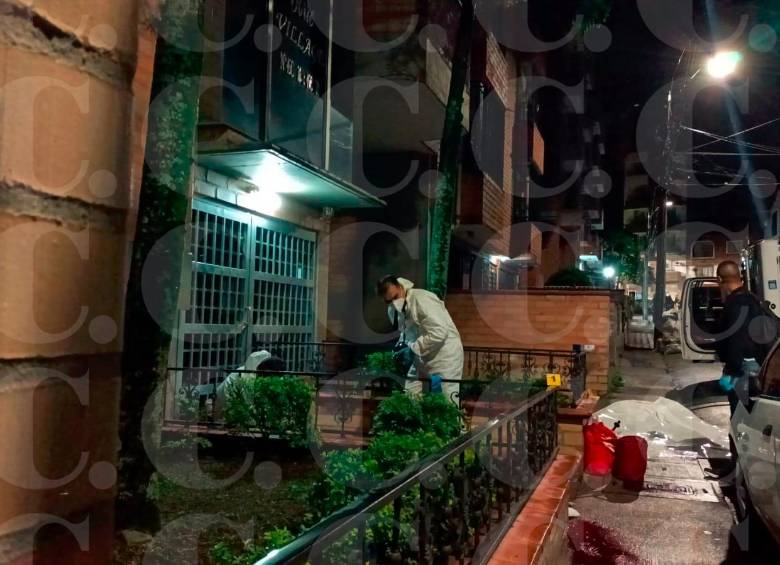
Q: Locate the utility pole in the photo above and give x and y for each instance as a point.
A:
(645, 286)
(660, 269)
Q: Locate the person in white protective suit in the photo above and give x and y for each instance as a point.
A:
(256, 361)
(428, 335)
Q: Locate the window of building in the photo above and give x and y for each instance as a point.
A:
(493, 118)
(734, 247)
(703, 250)
(252, 285)
(489, 275)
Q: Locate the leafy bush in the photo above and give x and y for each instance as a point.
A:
(390, 454)
(271, 406)
(159, 487)
(277, 538)
(382, 363)
(399, 414)
(616, 382)
(441, 417)
(188, 403)
(344, 473)
(225, 553)
(403, 414)
(569, 277)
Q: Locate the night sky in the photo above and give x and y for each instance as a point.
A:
(638, 64)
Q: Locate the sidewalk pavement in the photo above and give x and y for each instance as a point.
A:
(685, 518)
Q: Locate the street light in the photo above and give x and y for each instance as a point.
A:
(723, 64)
(609, 272)
(669, 203)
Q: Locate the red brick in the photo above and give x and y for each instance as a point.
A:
(57, 140)
(104, 25)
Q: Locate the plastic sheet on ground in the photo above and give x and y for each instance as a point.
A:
(664, 423)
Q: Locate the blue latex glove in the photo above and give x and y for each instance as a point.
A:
(436, 383)
(726, 383)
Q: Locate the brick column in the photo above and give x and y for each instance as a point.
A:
(75, 79)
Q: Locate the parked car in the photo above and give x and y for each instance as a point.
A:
(756, 432)
(755, 429)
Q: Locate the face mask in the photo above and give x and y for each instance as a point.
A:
(399, 304)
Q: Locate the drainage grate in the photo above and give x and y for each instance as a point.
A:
(674, 469)
(682, 489)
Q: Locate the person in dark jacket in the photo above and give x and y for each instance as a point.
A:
(736, 348)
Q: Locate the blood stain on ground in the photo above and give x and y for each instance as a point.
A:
(592, 544)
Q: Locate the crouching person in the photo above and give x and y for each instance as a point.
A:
(429, 342)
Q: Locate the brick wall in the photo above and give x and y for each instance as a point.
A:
(540, 319)
(75, 77)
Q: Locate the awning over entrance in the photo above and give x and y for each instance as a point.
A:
(272, 168)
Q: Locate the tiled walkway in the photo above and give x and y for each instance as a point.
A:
(686, 520)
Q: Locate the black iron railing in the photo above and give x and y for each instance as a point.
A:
(509, 364)
(480, 363)
(489, 373)
(455, 506)
(200, 396)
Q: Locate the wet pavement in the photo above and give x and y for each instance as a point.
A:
(680, 516)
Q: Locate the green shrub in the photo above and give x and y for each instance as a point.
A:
(615, 382)
(344, 472)
(441, 417)
(382, 363)
(188, 403)
(277, 538)
(226, 553)
(160, 487)
(399, 414)
(404, 414)
(270, 406)
(390, 454)
(569, 277)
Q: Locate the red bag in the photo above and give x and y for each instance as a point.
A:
(631, 460)
(599, 449)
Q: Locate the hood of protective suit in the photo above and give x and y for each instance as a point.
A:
(253, 361)
(391, 312)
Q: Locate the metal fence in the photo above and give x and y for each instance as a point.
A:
(480, 363)
(342, 402)
(509, 364)
(490, 375)
(455, 506)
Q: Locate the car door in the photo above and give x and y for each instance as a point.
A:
(702, 307)
(756, 432)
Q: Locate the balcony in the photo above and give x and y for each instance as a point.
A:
(406, 86)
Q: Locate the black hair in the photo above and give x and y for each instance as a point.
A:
(385, 282)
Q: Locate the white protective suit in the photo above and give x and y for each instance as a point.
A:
(252, 362)
(428, 329)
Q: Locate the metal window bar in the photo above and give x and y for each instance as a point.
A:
(239, 288)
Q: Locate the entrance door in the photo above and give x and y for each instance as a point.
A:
(252, 286)
(700, 323)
